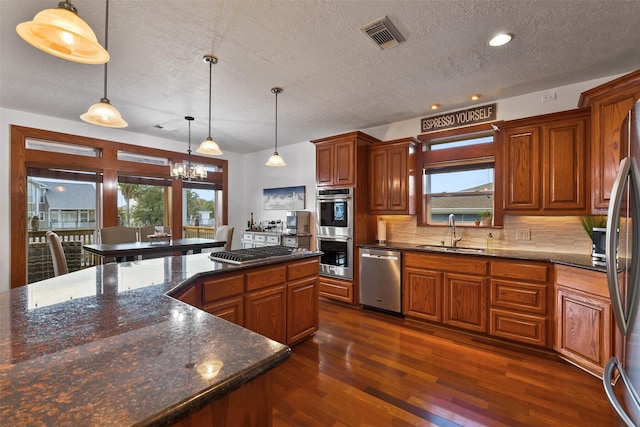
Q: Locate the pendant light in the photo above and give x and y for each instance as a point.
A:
(103, 113)
(275, 159)
(185, 170)
(209, 146)
(61, 32)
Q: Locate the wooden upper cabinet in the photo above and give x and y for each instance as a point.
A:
(338, 159)
(564, 153)
(545, 163)
(610, 103)
(392, 167)
(522, 168)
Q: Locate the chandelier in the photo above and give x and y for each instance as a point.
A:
(186, 170)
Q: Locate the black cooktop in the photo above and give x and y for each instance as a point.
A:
(249, 255)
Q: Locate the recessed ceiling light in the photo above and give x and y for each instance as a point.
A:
(500, 39)
(434, 106)
(475, 96)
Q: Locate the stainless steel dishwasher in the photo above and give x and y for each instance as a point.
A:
(380, 279)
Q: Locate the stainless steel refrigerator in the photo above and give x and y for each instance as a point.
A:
(622, 373)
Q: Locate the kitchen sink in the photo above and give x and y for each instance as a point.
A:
(459, 249)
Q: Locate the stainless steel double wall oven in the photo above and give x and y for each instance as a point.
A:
(334, 231)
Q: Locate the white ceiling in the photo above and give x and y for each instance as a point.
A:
(334, 78)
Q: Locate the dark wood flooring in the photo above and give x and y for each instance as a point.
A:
(364, 368)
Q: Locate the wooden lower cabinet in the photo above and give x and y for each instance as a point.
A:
(520, 306)
(230, 309)
(266, 312)
(278, 301)
(505, 298)
(233, 410)
(465, 303)
(337, 289)
(303, 309)
(584, 334)
(423, 294)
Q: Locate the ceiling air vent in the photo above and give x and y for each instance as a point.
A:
(383, 33)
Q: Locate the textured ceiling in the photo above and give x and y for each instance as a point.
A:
(334, 78)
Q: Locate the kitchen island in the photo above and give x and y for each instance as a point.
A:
(108, 346)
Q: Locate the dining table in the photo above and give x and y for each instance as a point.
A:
(156, 247)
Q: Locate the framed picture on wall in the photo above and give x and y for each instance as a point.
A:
(284, 198)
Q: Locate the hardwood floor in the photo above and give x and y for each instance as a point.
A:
(364, 368)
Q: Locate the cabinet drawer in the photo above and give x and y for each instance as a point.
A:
(593, 282)
(521, 327)
(273, 239)
(447, 262)
(247, 236)
(529, 297)
(259, 238)
(290, 241)
(303, 269)
(537, 272)
(266, 277)
(340, 290)
(214, 289)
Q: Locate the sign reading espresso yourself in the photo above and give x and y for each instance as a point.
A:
(471, 116)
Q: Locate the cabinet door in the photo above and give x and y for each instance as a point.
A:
(302, 309)
(465, 301)
(564, 153)
(609, 145)
(522, 169)
(378, 180)
(230, 309)
(345, 164)
(190, 295)
(397, 177)
(324, 164)
(423, 294)
(584, 329)
(265, 313)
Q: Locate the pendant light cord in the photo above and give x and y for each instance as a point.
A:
(106, 47)
(210, 66)
(189, 147)
(276, 151)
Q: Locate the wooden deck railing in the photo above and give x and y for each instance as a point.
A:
(200, 231)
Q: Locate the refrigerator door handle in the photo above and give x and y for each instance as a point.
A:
(624, 313)
(607, 380)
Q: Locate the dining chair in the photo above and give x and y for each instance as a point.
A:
(57, 254)
(224, 232)
(145, 232)
(113, 235)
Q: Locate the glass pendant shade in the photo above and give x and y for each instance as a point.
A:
(276, 160)
(209, 146)
(104, 114)
(61, 32)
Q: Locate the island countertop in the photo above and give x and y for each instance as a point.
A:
(107, 346)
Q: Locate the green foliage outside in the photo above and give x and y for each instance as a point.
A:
(148, 208)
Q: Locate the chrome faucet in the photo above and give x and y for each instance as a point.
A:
(452, 224)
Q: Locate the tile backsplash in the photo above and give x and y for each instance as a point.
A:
(547, 233)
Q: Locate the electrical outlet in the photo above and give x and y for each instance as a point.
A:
(549, 97)
(523, 234)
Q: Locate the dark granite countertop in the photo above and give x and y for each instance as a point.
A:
(573, 260)
(106, 346)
